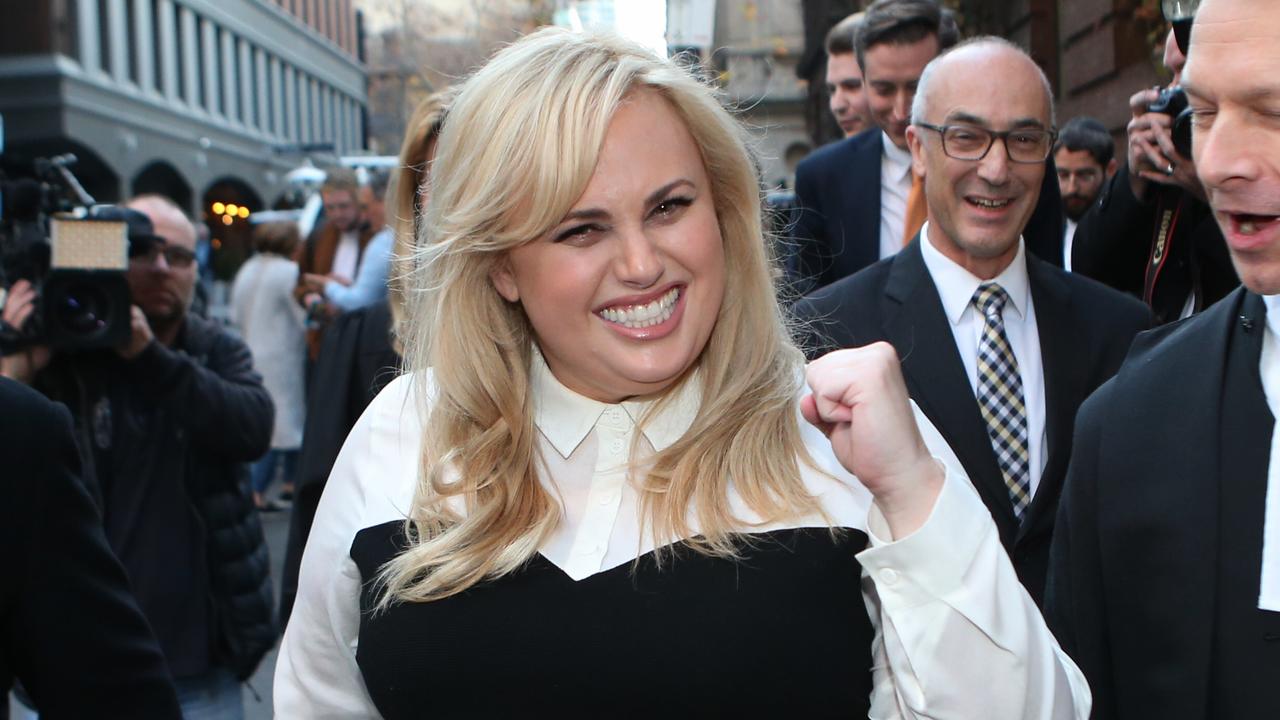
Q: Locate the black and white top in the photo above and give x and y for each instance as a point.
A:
(806, 622)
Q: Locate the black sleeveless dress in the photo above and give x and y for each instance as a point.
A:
(782, 631)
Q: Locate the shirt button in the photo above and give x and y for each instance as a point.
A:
(607, 500)
(616, 446)
(889, 576)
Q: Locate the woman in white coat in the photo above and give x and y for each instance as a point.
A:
(273, 326)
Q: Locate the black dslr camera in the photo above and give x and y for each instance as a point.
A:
(73, 255)
(1173, 102)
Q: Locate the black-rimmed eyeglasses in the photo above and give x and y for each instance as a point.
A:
(969, 142)
(175, 256)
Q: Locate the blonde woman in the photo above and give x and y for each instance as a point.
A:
(594, 493)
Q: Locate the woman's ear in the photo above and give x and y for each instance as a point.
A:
(504, 281)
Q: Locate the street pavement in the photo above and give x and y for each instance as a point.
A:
(276, 527)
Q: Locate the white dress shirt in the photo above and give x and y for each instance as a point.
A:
(895, 186)
(346, 258)
(1068, 237)
(956, 634)
(956, 287)
(1269, 367)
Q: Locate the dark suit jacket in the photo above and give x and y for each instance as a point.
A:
(837, 220)
(836, 223)
(1134, 578)
(70, 628)
(1085, 330)
(1113, 244)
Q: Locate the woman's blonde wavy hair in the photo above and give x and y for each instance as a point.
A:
(517, 151)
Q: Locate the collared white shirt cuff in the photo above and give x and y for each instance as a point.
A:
(932, 561)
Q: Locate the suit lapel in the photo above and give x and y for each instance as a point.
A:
(1065, 368)
(917, 326)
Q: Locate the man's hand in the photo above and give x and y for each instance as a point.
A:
(140, 335)
(859, 401)
(314, 283)
(1152, 156)
(23, 364)
(19, 305)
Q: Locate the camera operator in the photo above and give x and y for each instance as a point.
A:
(168, 421)
(1151, 233)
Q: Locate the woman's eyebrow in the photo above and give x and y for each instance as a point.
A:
(655, 196)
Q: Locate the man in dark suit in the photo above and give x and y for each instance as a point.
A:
(1165, 577)
(846, 219)
(70, 629)
(998, 348)
(853, 197)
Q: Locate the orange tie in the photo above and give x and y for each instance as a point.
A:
(917, 210)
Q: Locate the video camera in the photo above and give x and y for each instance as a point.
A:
(75, 255)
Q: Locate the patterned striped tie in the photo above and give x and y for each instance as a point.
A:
(1000, 397)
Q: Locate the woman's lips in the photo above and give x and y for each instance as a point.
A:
(647, 320)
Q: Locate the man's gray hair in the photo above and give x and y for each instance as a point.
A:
(919, 105)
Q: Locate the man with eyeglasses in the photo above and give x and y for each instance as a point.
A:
(166, 424)
(998, 348)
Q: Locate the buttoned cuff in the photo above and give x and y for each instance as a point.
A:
(932, 561)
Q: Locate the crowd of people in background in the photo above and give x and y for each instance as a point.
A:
(538, 399)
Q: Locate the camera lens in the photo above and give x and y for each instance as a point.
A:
(82, 308)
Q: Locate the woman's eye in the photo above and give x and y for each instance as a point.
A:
(577, 233)
(671, 206)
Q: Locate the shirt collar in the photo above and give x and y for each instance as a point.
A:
(897, 159)
(1272, 303)
(565, 418)
(956, 285)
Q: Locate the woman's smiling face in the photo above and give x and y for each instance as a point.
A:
(624, 292)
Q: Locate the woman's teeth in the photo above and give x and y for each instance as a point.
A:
(643, 316)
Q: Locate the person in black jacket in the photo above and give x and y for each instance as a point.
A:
(1151, 233)
(70, 629)
(357, 359)
(168, 422)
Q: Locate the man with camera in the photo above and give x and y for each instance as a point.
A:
(1151, 234)
(167, 421)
